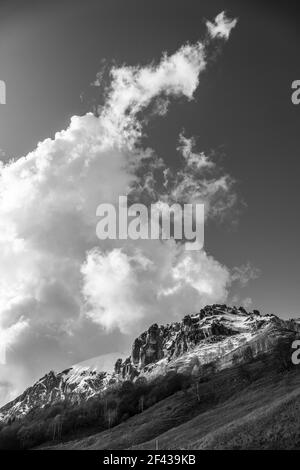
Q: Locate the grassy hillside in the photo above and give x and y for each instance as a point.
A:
(264, 416)
(251, 406)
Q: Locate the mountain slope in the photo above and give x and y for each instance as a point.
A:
(252, 413)
(217, 335)
(265, 416)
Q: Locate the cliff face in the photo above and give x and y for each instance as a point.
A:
(217, 334)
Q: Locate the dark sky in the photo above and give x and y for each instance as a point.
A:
(51, 51)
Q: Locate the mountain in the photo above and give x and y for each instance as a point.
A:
(79, 382)
(218, 334)
(252, 406)
(218, 337)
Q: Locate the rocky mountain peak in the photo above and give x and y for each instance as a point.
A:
(213, 323)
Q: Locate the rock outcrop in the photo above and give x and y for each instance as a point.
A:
(210, 335)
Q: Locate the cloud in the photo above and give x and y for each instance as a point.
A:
(247, 302)
(57, 280)
(111, 285)
(158, 282)
(245, 273)
(221, 27)
(9, 336)
(201, 181)
(133, 88)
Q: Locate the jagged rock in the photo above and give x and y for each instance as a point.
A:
(118, 366)
(214, 324)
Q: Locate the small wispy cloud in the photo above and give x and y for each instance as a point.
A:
(244, 274)
(221, 27)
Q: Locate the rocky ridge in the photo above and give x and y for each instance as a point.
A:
(218, 335)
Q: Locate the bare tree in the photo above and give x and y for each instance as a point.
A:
(57, 428)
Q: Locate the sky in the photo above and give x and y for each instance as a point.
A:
(225, 101)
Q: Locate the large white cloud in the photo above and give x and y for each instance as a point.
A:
(159, 282)
(56, 277)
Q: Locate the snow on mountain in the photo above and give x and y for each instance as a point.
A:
(216, 334)
(81, 381)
